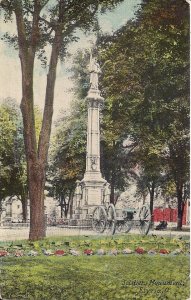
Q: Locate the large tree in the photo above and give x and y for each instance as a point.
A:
(39, 23)
(146, 78)
(12, 158)
(67, 156)
(7, 135)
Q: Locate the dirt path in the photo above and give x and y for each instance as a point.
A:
(13, 234)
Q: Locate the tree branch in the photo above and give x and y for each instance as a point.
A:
(35, 26)
(51, 25)
(51, 77)
(5, 4)
(20, 27)
(49, 98)
(44, 3)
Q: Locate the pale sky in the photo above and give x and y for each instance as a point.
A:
(10, 72)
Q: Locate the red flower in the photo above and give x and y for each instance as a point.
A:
(3, 253)
(139, 250)
(88, 251)
(163, 251)
(59, 252)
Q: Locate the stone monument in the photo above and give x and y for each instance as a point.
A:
(93, 184)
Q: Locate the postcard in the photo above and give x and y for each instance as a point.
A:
(94, 149)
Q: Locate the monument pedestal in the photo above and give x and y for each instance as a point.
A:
(93, 186)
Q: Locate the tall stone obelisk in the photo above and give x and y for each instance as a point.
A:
(93, 184)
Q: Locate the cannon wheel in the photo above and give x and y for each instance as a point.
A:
(124, 225)
(127, 225)
(99, 219)
(111, 219)
(144, 219)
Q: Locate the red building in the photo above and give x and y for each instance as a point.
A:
(170, 214)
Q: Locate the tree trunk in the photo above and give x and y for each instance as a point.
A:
(36, 195)
(24, 208)
(179, 191)
(152, 194)
(37, 167)
(61, 211)
(71, 195)
(62, 205)
(66, 207)
(35, 175)
(116, 199)
(151, 201)
(66, 211)
(36, 156)
(112, 195)
(0, 210)
(144, 197)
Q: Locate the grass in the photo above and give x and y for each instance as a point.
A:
(96, 277)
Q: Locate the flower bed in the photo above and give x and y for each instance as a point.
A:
(104, 246)
(90, 252)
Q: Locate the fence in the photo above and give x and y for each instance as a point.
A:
(169, 215)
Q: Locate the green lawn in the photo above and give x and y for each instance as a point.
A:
(94, 277)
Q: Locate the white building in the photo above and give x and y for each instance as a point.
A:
(12, 210)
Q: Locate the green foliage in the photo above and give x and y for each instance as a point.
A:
(68, 154)
(80, 73)
(64, 16)
(12, 159)
(13, 171)
(70, 139)
(146, 82)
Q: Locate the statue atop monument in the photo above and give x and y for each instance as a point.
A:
(94, 69)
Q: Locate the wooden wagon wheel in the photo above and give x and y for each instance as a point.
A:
(99, 219)
(111, 219)
(144, 219)
(125, 223)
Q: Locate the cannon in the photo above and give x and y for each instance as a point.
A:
(108, 219)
